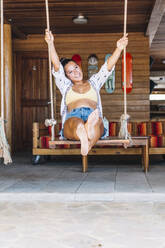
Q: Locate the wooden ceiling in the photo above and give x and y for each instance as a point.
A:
(103, 16)
(106, 16)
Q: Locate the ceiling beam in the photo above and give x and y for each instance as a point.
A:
(17, 33)
(155, 19)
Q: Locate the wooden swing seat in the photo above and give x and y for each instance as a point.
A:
(109, 141)
(108, 146)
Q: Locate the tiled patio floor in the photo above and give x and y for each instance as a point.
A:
(55, 205)
(108, 178)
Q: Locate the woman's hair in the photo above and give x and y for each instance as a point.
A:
(65, 61)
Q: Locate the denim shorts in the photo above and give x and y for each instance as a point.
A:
(82, 113)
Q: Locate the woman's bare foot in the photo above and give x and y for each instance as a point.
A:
(91, 122)
(82, 134)
(89, 146)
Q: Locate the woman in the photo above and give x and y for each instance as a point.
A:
(81, 108)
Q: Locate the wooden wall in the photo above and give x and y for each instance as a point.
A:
(86, 44)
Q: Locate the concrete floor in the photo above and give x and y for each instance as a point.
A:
(108, 178)
(114, 205)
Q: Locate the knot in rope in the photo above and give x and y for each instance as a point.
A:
(123, 133)
(50, 122)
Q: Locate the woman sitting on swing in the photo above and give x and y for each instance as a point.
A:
(81, 108)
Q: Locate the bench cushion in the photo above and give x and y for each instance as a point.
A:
(153, 129)
(157, 141)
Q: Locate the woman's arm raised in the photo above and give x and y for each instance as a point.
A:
(49, 38)
(121, 44)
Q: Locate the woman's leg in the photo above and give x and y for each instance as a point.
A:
(74, 129)
(94, 127)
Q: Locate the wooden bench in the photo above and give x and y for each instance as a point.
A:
(108, 146)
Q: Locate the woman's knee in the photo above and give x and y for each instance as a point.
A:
(72, 122)
(70, 127)
(101, 126)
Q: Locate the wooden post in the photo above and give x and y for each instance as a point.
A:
(142, 158)
(145, 155)
(85, 163)
(8, 82)
(35, 134)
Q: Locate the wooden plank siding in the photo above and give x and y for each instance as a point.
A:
(34, 49)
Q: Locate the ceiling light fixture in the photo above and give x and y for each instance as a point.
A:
(163, 61)
(80, 19)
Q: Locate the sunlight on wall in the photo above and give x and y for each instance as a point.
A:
(157, 96)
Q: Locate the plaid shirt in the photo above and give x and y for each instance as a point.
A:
(64, 84)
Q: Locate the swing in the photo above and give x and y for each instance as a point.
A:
(123, 140)
(124, 136)
(4, 147)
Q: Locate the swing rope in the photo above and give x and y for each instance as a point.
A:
(50, 122)
(4, 146)
(123, 133)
